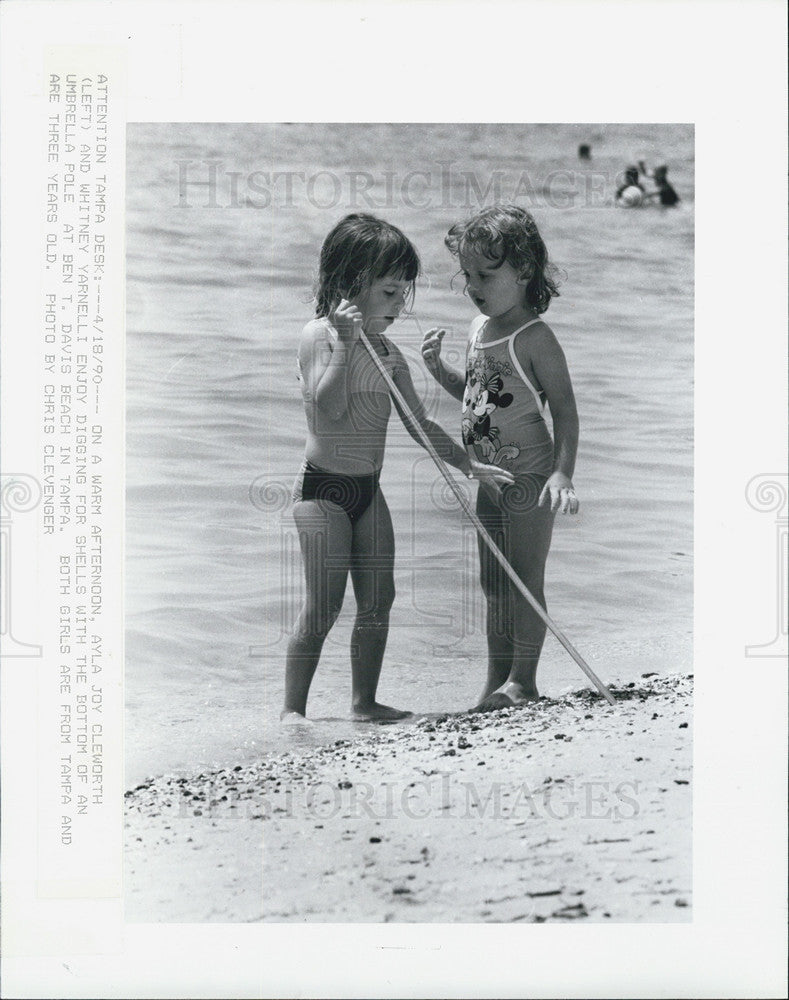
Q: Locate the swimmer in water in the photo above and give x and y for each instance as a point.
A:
(631, 181)
(664, 191)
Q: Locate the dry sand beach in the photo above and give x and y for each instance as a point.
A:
(566, 810)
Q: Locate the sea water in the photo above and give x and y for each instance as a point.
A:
(224, 225)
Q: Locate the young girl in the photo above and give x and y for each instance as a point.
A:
(514, 367)
(367, 273)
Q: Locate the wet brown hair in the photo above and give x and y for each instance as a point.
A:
(509, 233)
(358, 250)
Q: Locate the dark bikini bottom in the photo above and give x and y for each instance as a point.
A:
(353, 493)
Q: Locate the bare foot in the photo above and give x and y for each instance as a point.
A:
(378, 713)
(294, 719)
(509, 695)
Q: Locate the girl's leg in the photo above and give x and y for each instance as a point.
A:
(372, 575)
(526, 531)
(495, 587)
(325, 537)
(528, 545)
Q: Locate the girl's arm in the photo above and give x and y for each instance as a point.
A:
(546, 359)
(324, 362)
(447, 449)
(447, 377)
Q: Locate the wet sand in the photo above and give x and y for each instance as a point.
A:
(566, 810)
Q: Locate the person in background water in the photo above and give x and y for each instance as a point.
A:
(584, 151)
(514, 368)
(664, 191)
(367, 274)
(631, 180)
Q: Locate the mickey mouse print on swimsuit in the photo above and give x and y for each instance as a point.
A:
(483, 396)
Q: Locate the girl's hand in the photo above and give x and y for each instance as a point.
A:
(491, 476)
(431, 350)
(560, 494)
(347, 320)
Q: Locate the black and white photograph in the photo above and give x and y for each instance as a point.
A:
(360, 448)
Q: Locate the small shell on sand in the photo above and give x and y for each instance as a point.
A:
(553, 798)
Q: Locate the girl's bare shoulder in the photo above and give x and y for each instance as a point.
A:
(538, 334)
(536, 342)
(318, 324)
(318, 329)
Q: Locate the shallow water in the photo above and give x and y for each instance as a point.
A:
(216, 297)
